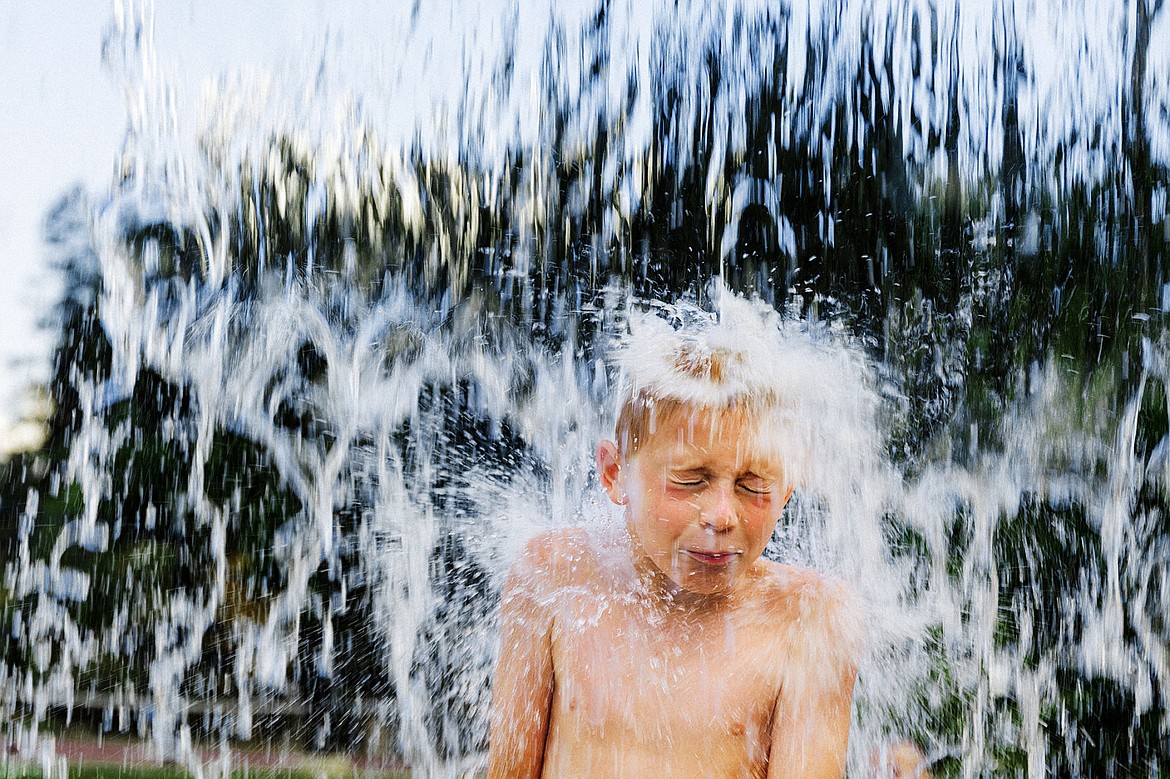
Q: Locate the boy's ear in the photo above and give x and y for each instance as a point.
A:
(609, 471)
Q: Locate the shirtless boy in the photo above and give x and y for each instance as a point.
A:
(671, 648)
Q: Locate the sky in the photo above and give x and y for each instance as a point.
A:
(60, 125)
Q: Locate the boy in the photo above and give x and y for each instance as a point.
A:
(671, 648)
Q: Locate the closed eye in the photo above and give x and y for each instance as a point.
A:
(688, 482)
(755, 488)
(688, 478)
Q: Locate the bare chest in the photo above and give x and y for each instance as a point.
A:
(625, 677)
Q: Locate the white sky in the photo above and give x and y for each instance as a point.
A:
(60, 123)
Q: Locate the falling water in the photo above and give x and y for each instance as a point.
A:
(339, 346)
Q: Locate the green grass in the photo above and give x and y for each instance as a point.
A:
(94, 771)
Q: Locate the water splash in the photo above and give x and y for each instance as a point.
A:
(350, 355)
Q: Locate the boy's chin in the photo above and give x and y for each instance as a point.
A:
(680, 575)
(701, 582)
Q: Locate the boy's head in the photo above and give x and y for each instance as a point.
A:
(700, 459)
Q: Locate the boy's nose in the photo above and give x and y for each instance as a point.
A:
(719, 514)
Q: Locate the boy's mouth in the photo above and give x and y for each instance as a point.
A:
(712, 558)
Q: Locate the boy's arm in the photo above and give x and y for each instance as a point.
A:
(523, 684)
(810, 721)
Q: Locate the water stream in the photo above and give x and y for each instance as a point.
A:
(336, 343)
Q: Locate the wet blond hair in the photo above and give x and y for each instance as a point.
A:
(807, 398)
(644, 409)
(692, 360)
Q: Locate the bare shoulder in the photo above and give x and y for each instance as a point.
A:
(552, 558)
(811, 608)
(807, 587)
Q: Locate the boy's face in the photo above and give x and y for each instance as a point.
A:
(701, 500)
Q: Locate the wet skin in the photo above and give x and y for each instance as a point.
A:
(673, 649)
